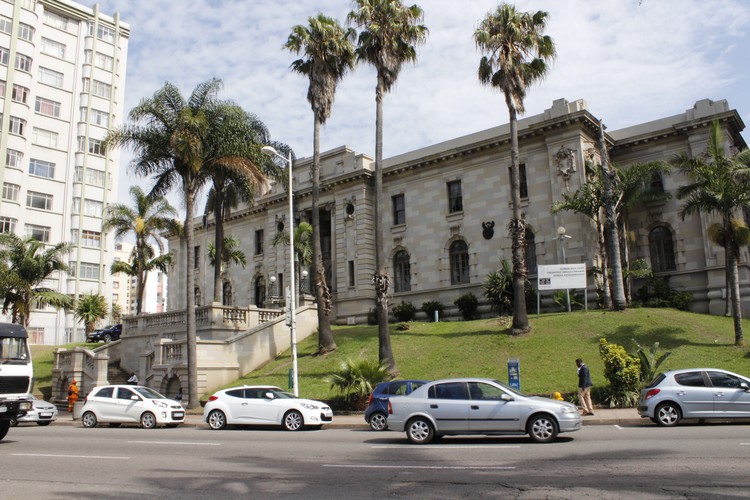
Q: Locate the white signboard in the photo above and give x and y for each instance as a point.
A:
(561, 277)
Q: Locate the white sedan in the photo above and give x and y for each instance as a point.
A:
(42, 412)
(264, 405)
(124, 404)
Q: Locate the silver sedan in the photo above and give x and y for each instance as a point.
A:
(479, 406)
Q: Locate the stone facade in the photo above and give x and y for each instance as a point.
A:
(446, 208)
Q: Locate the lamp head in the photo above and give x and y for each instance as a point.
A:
(560, 231)
(269, 150)
(304, 274)
(272, 279)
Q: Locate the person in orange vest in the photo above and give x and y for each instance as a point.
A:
(72, 395)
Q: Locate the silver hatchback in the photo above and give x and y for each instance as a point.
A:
(695, 393)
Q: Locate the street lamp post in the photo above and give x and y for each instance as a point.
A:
(561, 236)
(291, 296)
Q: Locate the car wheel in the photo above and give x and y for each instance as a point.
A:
(88, 420)
(107, 339)
(420, 431)
(47, 422)
(542, 429)
(667, 415)
(378, 421)
(217, 420)
(293, 421)
(148, 420)
(14, 422)
(4, 426)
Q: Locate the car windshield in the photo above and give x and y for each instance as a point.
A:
(148, 393)
(510, 389)
(13, 350)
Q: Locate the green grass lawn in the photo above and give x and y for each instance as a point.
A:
(481, 349)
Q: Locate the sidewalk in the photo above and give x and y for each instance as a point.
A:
(605, 416)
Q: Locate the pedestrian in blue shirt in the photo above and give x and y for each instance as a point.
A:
(584, 388)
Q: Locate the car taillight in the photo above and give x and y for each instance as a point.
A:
(213, 398)
(651, 393)
(390, 408)
(369, 401)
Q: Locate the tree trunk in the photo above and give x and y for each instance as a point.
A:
(385, 353)
(218, 242)
(732, 251)
(192, 360)
(517, 231)
(610, 226)
(322, 295)
(622, 232)
(606, 289)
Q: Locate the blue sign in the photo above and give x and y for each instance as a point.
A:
(514, 374)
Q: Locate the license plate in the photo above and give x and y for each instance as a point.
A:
(177, 415)
(46, 414)
(3, 409)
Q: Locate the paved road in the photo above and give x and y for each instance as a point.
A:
(603, 461)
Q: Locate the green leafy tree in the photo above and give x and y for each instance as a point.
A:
(145, 219)
(115, 313)
(91, 308)
(230, 253)
(356, 379)
(27, 265)
(623, 372)
(516, 55)
(303, 236)
(741, 235)
(328, 55)
(719, 184)
(498, 288)
(390, 32)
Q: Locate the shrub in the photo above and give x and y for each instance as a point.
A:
(498, 288)
(576, 301)
(624, 374)
(355, 380)
(404, 311)
(657, 293)
(402, 327)
(430, 307)
(467, 305)
(649, 362)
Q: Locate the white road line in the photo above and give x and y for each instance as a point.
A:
(97, 457)
(479, 467)
(174, 442)
(444, 447)
(744, 444)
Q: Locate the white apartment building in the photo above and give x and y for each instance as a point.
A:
(124, 287)
(62, 76)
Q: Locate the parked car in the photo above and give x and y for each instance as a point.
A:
(130, 404)
(106, 334)
(695, 393)
(41, 412)
(264, 405)
(478, 406)
(376, 413)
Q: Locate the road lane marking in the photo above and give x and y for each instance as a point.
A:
(445, 447)
(174, 442)
(98, 457)
(443, 467)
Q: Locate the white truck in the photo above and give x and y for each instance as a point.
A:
(16, 374)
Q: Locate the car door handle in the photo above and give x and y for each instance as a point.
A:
(681, 393)
(433, 406)
(719, 394)
(474, 407)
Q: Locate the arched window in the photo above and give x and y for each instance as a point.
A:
(197, 295)
(459, 258)
(227, 294)
(530, 252)
(260, 291)
(661, 246)
(402, 271)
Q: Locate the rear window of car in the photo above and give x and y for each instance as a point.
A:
(397, 389)
(690, 379)
(450, 390)
(104, 392)
(236, 393)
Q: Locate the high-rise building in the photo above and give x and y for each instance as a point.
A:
(62, 86)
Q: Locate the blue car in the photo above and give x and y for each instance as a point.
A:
(377, 408)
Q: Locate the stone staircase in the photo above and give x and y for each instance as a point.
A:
(116, 375)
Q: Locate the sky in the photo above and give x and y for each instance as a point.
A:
(632, 61)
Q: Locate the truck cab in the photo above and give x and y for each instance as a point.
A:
(16, 374)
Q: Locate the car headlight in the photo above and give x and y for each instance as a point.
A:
(160, 404)
(568, 409)
(309, 406)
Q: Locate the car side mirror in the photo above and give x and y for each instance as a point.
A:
(269, 395)
(744, 387)
(506, 397)
(135, 398)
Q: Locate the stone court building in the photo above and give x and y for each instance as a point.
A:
(446, 210)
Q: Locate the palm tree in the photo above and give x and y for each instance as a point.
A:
(390, 33)
(719, 184)
(27, 265)
(91, 309)
(168, 134)
(115, 313)
(145, 219)
(715, 233)
(230, 254)
(329, 54)
(237, 168)
(516, 55)
(303, 251)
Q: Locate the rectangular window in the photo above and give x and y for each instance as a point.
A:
(7, 224)
(39, 233)
(36, 335)
(43, 137)
(351, 273)
(197, 257)
(522, 181)
(23, 62)
(10, 191)
(102, 89)
(3, 86)
(259, 242)
(20, 94)
(47, 107)
(93, 177)
(42, 168)
(95, 146)
(92, 208)
(53, 48)
(17, 125)
(41, 201)
(100, 118)
(399, 209)
(6, 25)
(13, 158)
(115, 285)
(91, 239)
(103, 61)
(56, 20)
(51, 77)
(455, 197)
(29, 5)
(4, 56)
(103, 32)
(85, 270)
(25, 32)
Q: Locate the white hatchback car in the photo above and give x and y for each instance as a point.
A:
(126, 404)
(264, 405)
